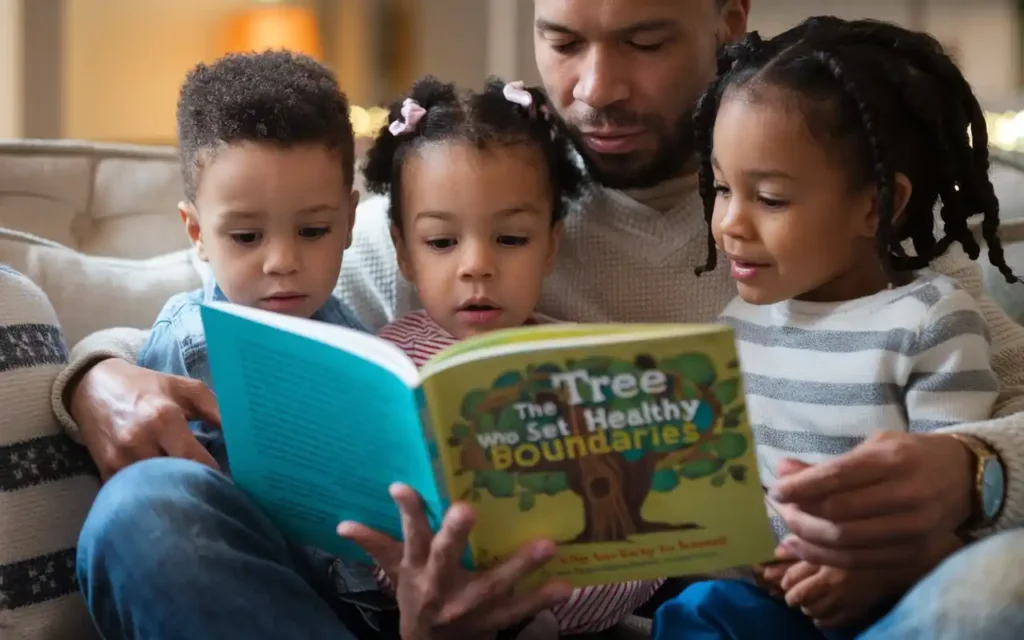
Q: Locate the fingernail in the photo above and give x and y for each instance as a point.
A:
(543, 549)
(345, 528)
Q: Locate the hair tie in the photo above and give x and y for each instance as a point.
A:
(516, 92)
(412, 113)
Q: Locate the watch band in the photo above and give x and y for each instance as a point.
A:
(981, 454)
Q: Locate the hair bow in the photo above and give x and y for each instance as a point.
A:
(412, 113)
(516, 92)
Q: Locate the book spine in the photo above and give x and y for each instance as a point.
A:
(430, 438)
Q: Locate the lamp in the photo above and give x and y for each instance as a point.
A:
(274, 24)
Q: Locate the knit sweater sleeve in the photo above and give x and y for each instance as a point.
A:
(121, 343)
(1005, 431)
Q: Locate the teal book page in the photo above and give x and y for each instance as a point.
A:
(315, 433)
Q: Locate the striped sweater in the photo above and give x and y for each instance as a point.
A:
(821, 377)
(47, 482)
(590, 609)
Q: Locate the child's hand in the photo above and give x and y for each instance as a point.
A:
(437, 598)
(769, 576)
(831, 596)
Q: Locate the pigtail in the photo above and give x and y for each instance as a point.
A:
(560, 150)
(541, 126)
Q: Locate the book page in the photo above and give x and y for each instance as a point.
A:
(367, 346)
(555, 336)
(315, 435)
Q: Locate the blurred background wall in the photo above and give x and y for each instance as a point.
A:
(110, 69)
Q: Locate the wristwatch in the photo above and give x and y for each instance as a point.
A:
(989, 491)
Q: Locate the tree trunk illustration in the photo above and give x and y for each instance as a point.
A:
(613, 489)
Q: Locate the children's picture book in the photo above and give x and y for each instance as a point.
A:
(628, 445)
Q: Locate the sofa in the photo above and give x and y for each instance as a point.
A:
(95, 227)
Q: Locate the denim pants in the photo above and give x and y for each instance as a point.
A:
(171, 549)
(976, 593)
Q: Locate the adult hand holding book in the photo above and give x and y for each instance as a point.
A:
(436, 595)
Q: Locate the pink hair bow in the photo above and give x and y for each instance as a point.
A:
(516, 92)
(412, 113)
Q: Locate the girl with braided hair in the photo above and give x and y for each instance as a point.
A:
(838, 160)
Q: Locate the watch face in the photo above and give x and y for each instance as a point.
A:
(993, 487)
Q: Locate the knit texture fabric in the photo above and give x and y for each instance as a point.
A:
(47, 482)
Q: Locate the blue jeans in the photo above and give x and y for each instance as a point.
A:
(171, 549)
(976, 593)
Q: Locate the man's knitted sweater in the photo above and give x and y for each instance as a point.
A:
(630, 257)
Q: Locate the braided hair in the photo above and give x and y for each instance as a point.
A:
(899, 104)
(485, 119)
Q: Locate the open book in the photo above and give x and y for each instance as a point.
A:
(628, 445)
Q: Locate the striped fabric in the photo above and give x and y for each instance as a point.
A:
(47, 482)
(590, 609)
(822, 377)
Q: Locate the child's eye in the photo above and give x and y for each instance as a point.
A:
(246, 237)
(314, 232)
(773, 203)
(513, 241)
(441, 243)
(721, 189)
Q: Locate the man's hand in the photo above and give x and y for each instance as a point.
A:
(437, 598)
(127, 413)
(879, 504)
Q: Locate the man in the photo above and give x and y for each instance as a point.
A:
(624, 75)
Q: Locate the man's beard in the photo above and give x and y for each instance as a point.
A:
(641, 169)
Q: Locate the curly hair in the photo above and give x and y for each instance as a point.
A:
(486, 120)
(887, 100)
(275, 97)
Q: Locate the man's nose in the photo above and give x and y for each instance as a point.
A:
(602, 81)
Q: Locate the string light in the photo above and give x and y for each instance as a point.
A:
(367, 123)
(1006, 130)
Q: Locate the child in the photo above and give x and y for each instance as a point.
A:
(267, 161)
(267, 157)
(479, 184)
(824, 151)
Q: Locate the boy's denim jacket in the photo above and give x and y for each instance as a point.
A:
(177, 345)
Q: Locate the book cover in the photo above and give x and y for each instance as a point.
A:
(633, 453)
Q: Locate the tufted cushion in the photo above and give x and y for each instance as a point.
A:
(101, 199)
(91, 292)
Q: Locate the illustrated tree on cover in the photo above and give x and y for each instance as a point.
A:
(612, 486)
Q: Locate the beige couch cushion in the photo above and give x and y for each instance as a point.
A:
(92, 293)
(100, 199)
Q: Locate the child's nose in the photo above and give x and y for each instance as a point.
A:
(736, 220)
(282, 258)
(477, 261)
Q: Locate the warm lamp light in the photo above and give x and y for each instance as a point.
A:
(275, 25)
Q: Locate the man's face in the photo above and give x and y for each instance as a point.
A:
(625, 76)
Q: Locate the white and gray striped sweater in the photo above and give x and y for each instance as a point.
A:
(821, 377)
(47, 482)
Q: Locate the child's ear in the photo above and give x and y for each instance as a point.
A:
(353, 200)
(901, 191)
(556, 240)
(402, 253)
(190, 217)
